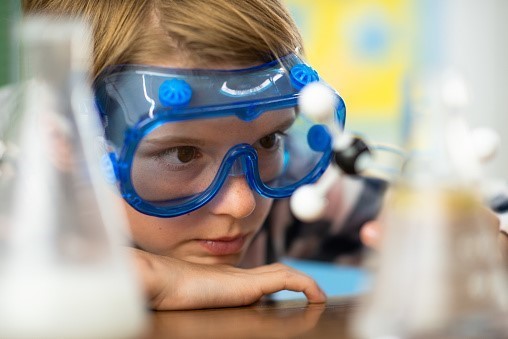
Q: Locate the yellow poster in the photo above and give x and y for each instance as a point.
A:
(362, 48)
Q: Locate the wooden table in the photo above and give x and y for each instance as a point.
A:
(267, 319)
(275, 319)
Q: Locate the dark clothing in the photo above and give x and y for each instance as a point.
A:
(356, 201)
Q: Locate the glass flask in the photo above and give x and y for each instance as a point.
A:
(63, 271)
(438, 272)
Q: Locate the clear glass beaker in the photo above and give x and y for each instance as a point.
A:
(63, 272)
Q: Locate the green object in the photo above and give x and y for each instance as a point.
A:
(9, 14)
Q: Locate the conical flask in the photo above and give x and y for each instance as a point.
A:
(439, 272)
(63, 273)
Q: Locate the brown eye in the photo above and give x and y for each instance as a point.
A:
(268, 141)
(186, 153)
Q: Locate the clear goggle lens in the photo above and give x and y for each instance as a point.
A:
(177, 162)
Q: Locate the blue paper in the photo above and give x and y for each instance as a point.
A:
(335, 280)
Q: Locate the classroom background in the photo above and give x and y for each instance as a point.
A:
(362, 48)
(359, 47)
(369, 50)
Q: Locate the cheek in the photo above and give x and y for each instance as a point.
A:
(154, 235)
(164, 236)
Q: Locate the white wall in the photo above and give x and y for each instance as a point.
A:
(475, 43)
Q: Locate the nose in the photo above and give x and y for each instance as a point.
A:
(238, 168)
(235, 198)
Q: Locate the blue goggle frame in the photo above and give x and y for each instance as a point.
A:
(134, 100)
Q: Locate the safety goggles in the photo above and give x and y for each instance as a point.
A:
(177, 135)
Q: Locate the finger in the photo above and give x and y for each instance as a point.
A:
(370, 234)
(288, 279)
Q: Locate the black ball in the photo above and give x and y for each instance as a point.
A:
(346, 158)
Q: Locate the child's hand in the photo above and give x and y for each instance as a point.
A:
(370, 234)
(173, 284)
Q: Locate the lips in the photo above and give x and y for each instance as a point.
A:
(223, 246)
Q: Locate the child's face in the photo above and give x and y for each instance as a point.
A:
(187, 138)
(185, 155)
(235, 214)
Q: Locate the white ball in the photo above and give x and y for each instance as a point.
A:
(342, 142)
(364, 162)
(317, 101)
(307, 204)
(485, 142)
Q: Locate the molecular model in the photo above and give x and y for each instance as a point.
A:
(350, 153)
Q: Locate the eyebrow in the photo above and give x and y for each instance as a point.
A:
(174, 140)
(164, 140)
(282, 125)
(285, 124)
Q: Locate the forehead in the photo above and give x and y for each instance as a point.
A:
(145, 96)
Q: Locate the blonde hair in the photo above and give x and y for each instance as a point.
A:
(195, 31)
